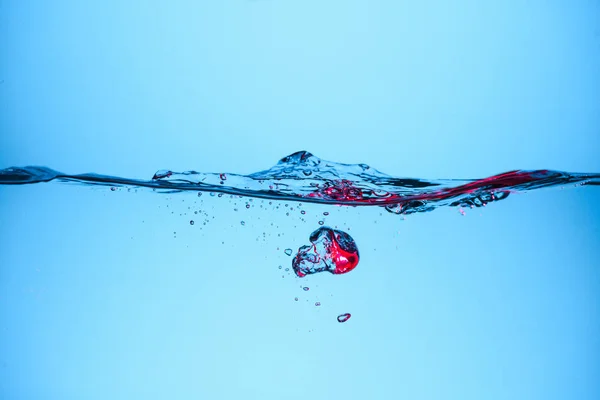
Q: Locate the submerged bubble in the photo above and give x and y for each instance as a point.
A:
(330, 250)
(344, 317)
(288, 252)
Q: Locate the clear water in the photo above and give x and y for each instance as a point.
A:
(130, 282)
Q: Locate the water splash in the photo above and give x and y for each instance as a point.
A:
(304, 177)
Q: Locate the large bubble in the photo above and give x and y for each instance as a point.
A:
(330, 250)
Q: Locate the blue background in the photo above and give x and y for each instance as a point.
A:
(115, 295)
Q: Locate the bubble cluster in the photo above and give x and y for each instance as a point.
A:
(330, 250)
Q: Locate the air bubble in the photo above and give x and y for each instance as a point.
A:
(330, 250)
(344, 317)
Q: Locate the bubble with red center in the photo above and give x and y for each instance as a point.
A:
(330, 250)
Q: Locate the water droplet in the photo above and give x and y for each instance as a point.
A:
(344, 317)
(288, 252)
(192, 222)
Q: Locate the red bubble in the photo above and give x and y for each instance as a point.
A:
(330, 250)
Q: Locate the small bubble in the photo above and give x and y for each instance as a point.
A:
(288, 252)
(223, 177)
(112, 189)
(306, 288)
(287, 269)
(247, 205)
(317, 304)
(343, 317)
(212, 194)
(280, 267)
(243, 223)
(302, 212)
(321, 222)
(192, 222)
(325, 213)
(199, 194)
(220, 194)
(295, 299)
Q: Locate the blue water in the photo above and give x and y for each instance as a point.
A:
(116, 294)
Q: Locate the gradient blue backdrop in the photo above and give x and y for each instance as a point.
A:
(115, 295)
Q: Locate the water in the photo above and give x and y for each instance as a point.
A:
(303, 177)
(456, 144)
